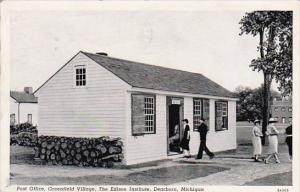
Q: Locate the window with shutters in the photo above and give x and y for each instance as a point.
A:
(80, 76)
(143, 114)
(200, 109)
(221, 112)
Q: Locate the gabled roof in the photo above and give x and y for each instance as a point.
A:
(22, 97)
(159, 78)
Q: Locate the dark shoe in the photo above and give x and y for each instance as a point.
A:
(211, 157)
(187, 156)
(198, 158)
(266, 161)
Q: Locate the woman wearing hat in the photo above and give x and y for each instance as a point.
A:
(256, 140)
(272, 132)
(185, 142)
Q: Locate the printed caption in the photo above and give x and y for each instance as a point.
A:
(108, 189)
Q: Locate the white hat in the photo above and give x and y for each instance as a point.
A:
(256, 121)
(272, 120)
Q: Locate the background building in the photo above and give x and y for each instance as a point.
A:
(23, 107)
(281, 110)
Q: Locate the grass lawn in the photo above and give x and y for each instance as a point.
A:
(243, 131)
(281, 179)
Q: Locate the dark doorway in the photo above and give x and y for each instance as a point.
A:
(174, 128)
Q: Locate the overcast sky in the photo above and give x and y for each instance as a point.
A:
(205, 42)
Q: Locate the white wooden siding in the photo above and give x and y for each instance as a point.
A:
(222, 140)
(148, 147)
(216, 140)
(152, 147)
(188, 114)
(91, 111)
(13, 108)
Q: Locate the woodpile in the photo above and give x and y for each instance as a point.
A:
(98, 152)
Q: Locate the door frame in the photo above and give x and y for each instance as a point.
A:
(169, 100)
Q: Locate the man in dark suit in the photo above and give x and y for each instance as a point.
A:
(203, 129)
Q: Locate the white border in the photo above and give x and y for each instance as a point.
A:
(8, 6)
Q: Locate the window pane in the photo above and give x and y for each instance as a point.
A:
(80, 76)
(221, 115)
(149, 114)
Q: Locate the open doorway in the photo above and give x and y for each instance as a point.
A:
(174, 122)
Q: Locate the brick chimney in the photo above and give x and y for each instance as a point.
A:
(28, 90)
(102, 53)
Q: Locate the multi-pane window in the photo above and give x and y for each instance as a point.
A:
(12, 119)
(80, 76)
(197, 112)
(200, 110)
(221, 115)
(149, 114)
(282, 108)
(283, 120)
(29, 118)
(290, 108)
(143, 114)
(290, 119)
(275, 108)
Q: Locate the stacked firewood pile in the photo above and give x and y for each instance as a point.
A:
(98, 152)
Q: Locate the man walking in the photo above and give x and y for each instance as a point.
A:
(203, 129)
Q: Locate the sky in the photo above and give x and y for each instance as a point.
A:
(205, 42)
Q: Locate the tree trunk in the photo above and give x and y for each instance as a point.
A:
(267, 86)
(265, 110)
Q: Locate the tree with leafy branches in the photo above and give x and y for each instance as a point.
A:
(250, 103)
(274, 29)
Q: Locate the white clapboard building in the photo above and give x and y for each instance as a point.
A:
(95, 95)
(23, 107)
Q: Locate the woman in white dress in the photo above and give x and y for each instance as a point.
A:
(256, 140)
(272, 132)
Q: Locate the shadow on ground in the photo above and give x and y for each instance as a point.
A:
(281, 179)
(160, 176)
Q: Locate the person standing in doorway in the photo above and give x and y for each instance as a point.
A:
(185, 142)
(289, 140)
(272, 133)
(203, 129)
(256, 140)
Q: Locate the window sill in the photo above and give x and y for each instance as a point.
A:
(223, 129)
(80, 87)
(141, 134)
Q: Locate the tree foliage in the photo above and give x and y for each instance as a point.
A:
(275, 31)
(250, 103)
